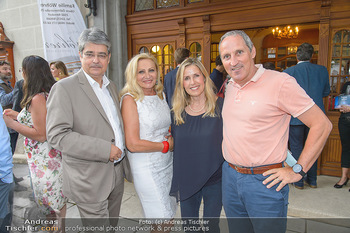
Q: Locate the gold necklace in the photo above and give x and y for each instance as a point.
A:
(197, 110)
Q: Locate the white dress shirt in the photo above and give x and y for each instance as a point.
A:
(110, 109)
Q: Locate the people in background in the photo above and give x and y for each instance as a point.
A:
(344, 132)
(256, 114)
(18, 95)
(45, 162)
(314, 80)
(170, 78)
(17, 98)
(269, 66)
(6, 90)
(197, 132)
(84, 122)
(146, 117)
(58, 70)
(7, 95)
(218, 75)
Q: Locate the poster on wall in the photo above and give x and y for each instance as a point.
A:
(61, 25)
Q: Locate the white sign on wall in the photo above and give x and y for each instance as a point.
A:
(61, 25)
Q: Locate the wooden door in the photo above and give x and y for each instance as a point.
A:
(339, 72)
(163, 52)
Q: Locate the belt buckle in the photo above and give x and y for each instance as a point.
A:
(236, 168)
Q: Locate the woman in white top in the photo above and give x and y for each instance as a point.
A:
(146, 117)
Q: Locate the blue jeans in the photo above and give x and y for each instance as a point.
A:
(6, 205)
(297, 138)
(211, 195)
(250, 206)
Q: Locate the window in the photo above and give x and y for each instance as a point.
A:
(340, 64)
(142, 5)
(143, 49)
(168, 59)
(164, 54)
(196, 50)
(157, 53)
(167, 3)
(214, 52)
(192, 1)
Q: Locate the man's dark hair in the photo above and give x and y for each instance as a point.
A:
(218, 61)
(181, 54)
(4, 63)
(269, 66)
(304, 52)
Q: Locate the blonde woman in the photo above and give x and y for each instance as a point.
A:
(58, 70)
(146, 117)
(197, 131)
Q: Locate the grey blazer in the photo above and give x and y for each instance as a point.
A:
(77, 125)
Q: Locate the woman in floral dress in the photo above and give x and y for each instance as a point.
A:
(44, 161)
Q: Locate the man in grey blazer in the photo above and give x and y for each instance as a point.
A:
(84, 123)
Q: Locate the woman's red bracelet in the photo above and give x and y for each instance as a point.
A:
(166, 146)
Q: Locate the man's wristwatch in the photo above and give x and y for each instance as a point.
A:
(297, 168)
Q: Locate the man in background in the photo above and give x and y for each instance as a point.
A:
(314, 80)
(7, 94)
(269, 65)
(170, 78)
(219, 74)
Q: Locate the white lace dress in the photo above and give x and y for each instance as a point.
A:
(152, 172)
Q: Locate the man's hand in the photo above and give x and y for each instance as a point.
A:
(115, 154)
(344, 108)
(171, 142)
(282, 176)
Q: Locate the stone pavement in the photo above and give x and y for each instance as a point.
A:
(324, 209)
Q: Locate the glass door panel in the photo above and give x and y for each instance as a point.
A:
(346, 36)
(337, 37)
(335, 66)
(345, 68)
(336, 51)
(333, 84)
(282, 51)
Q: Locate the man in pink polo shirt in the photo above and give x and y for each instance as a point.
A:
(256, 114)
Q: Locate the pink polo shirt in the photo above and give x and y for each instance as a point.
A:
(256, 117)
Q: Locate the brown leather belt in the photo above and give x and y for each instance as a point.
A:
(255, 170)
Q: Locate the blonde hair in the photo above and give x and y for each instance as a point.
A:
(181, 99)
(131, 86)
(60, 66)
